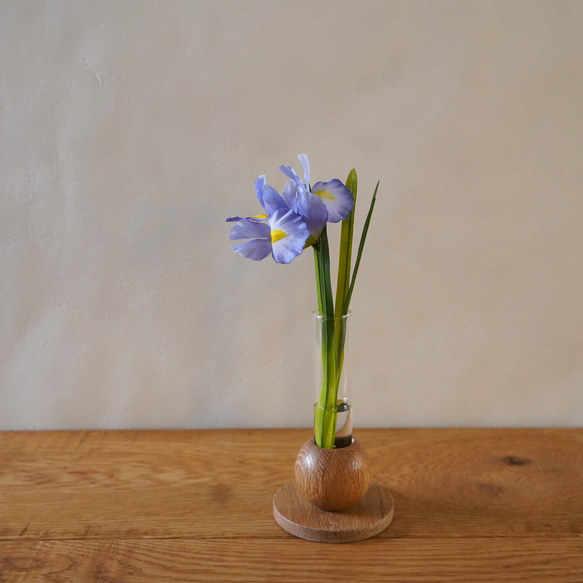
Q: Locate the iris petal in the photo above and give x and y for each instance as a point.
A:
(337, 198)
(257, 219)
(268, 197)
(285, 249)
(256, 249)
(290, 194)
(272, 200)
(314, 212)
(259, 184)
(307, 205)
(290, 173)
(248, 229)
(306, 166)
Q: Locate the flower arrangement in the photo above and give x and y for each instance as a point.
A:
(293, 221)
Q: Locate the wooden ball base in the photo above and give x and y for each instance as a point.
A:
(365, 519)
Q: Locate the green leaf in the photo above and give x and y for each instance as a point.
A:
(360, 249)
(345, 256)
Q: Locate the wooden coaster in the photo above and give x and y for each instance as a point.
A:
(368, 517)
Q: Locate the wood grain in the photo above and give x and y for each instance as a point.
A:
(332, 479)
(471, 505)
(368, 517)
(477, 560)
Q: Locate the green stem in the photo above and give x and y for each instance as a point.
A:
(325, 411)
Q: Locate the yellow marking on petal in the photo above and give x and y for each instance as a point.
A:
(260, 217)
(277, 235)
(326, 194)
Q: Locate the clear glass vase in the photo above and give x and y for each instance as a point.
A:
(332, 409)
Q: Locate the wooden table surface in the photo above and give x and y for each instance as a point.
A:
(182, 506)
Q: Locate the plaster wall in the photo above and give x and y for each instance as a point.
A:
(130, 130)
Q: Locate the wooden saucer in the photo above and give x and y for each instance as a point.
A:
(365, 519)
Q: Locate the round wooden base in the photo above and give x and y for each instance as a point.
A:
(368, 517)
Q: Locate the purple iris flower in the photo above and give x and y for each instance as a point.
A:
(291, 219)
(281, 231)
(324, 202)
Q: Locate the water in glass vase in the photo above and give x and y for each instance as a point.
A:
(343, 436)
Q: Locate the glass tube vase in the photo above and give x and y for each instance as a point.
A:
(332, 408)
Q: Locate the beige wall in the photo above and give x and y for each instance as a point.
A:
(130, 130)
